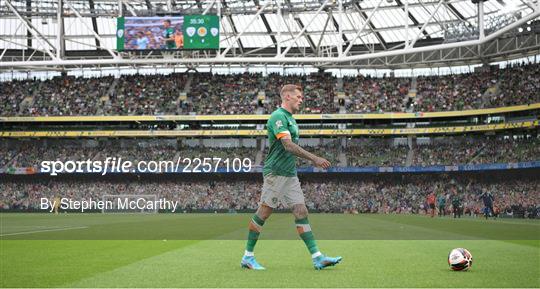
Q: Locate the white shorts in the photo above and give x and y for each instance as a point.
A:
(281, 189)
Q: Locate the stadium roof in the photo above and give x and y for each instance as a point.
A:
(321, 33)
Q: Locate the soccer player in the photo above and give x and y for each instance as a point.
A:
(456, 203)
(179, 38)
(168, 35)
(281, 184)
(441, 201)
(142, 41)
(488, 199)
(431, 203)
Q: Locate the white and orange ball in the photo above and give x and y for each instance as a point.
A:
(460, 259)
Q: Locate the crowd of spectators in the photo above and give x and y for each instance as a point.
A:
(376, 152)
(13, 95)
(147, 95)
(453, 92)
(364, 152)
(512, 197)
(461, 151)
(477, 150)
(516, 85)
(68, 96)
(373, 95)
(225, 94)
(506, 151)
(409, 197)
(208, 93)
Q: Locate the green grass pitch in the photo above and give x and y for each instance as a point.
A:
(204, 250)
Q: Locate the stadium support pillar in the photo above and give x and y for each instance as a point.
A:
(481, 20)
(481, 32)
(60, 33)
(28, 34)
(280, 21)
(340, 45)
(406, 22)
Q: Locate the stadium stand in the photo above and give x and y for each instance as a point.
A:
(238, 93)
(494, 88)
(463, 150)
(513, 198)
(361, 152)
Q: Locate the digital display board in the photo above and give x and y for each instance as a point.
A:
(168, 33)
(201, 32)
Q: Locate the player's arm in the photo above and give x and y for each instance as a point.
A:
(276, 125)
(298, 151)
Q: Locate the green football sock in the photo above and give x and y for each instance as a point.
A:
(304, 230)
(255, 227)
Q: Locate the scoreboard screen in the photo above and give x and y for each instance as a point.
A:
(168, 33)
(201, 32)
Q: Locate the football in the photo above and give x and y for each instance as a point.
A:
(460, 259)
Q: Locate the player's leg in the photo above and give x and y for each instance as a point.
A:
(294, 197)
(270, 195)
(255, 227)
(303, 227)
(300, 213)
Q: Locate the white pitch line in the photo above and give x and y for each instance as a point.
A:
(41, 231)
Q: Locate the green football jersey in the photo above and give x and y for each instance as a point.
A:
(279, 161)
(169, 33)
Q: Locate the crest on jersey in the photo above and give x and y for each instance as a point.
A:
(279, 124)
